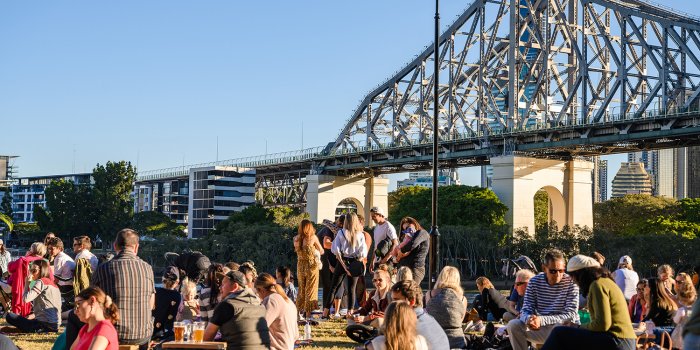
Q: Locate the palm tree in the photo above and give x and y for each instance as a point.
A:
(7, 221)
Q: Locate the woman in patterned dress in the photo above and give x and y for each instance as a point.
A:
(307, 247)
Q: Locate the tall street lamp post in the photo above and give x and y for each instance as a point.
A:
(434, 234)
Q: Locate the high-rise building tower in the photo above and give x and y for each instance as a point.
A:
(631, 179)
(600, 180)
(486, 176)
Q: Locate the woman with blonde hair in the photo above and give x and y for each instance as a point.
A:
(493, 303)
(665, 274)
(99, 313)
(403, 274)
(350, 248)
(399, 330)
(281, 314)
(447, 304)
(309, 251)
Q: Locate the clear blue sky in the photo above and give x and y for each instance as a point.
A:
(156, 82)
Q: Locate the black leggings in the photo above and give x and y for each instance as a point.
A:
(339, 275)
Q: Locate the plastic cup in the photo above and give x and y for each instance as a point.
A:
(198, 332)
(179, 329)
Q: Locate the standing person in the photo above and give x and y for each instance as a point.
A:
(326, 235)
(81, 247)
(551, 299)
(5, 258)
(99, 313)
(239, 316)
(209, 294)
(414, 254)
(610, 326)
(350, 250)
(46, 298)
(410, 292)
(626, 278)
(307, 247)
(384, 236)
(638, 306)
(128, 280)
(400, 330)
(63, 267)
(448, 305)
(281, 314)
(167, 304)
(361, 291)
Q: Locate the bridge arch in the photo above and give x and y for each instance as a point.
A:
(568, 184)
(349, 205)
(325, 192)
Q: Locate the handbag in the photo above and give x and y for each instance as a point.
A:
(317, 259)
(356, 267)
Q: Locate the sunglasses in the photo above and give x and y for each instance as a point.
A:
(554, 272)
(518, 284)
(640, 289)
(377, 280)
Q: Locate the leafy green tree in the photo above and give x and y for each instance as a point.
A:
(155, 224)
(457, 205)
(113, 183)
(6, 204)
(627, 215)
(70, 209)
(541, 210)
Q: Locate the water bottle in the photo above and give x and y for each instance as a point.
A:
(307, 331)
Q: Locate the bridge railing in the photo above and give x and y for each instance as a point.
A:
(386, 144)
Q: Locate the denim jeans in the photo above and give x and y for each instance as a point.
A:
(563, 337)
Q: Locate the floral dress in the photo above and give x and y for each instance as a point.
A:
(307, 275)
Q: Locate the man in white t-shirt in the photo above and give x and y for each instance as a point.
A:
(383, 230)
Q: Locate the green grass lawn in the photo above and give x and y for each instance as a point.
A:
(329, 335)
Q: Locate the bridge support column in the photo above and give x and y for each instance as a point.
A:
(324, 193)
(567, 183)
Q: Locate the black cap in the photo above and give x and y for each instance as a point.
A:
(171, 273)
(238, 277)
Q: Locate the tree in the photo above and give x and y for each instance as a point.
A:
(154, 224)
(6, 204)
(70, 210)
(7, 221)
(458, 205)
(627, 215)
(541, 210)
(112, 196)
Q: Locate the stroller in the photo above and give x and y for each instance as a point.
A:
(512, 266)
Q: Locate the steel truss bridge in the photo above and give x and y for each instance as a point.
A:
(541, 78)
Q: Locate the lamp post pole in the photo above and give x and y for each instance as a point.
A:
(434, 234)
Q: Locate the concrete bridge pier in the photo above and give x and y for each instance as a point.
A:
(325, 192)
(568, 185)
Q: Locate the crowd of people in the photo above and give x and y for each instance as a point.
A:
(104, 302)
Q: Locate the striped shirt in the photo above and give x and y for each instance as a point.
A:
(129, 281)
(553, 304)
(206, 309)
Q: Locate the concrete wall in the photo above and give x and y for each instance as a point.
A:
(568, 184)
(324, 193)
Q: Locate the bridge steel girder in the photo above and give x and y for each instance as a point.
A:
(517, 63)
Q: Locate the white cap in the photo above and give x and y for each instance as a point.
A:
(378, 211)
(626, 260)
(579, 262)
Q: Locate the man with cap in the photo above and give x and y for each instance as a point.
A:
(610, 326)
(626, 278)
(384, 236)
(551, 299)
(240, 317)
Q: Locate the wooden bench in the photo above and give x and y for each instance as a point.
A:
(128, 347)
(207, 345)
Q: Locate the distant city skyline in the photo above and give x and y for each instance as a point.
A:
(158, 83)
